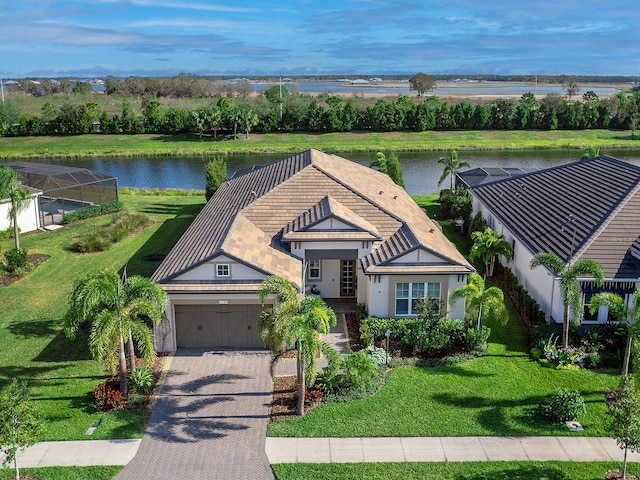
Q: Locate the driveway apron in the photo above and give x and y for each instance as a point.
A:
(210, 420)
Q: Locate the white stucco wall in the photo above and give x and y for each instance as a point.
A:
(28, 219)
(207, 271)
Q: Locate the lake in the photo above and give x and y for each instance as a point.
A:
(421, 169)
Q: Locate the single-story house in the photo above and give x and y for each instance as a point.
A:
(332, 227)
(588, 209)
(28, 218)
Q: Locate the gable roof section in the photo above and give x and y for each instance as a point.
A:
(305, 226)
(272, 200)
(579, 210)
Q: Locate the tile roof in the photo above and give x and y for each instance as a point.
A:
(251, 215)
(585, 209)
(478, 176)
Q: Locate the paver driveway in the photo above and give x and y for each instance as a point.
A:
(210, 420)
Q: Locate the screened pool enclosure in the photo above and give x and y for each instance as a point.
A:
(65, 189)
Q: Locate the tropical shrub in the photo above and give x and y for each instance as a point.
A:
(358, 370)
(107, 396)
(141, 379)
(91, 212)
(15, 259)
(565, 405)
(378, 355)
(101, 239)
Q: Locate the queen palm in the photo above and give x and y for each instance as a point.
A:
(11, 188)
(619, 309)
(119, 310)
(487, 246)
(452, 165)
(482, 302)
(296, 322)
(570, 291)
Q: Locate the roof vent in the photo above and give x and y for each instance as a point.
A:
(431, 230)
(395, 196)
(380, 192)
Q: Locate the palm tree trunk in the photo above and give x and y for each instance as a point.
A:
(479, 315)
(625, 362)
(16, 231)
(123, 367)
(301, 382)
(565, 327)
(132, 354)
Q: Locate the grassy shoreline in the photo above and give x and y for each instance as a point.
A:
(167, 145)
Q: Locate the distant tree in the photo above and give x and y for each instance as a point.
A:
(243, 88)
(81, 88)
(624, 420)
(20, 423)
(111, 85)
(590, 152)
(422, 83)
(9, 115)
(452, 165)
(572, 88)
(215, 174)
(634, 123)
(394, 169)
(380, 163)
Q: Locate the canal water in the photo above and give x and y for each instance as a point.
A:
(420, 169)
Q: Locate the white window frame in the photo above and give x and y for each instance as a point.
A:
(412, 296)
(219, 267)
(311, 268)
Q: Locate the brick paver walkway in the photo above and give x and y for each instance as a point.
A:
(210, 420)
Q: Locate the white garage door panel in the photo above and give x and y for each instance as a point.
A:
(217, 325)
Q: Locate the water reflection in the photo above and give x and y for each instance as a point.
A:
(421, 169)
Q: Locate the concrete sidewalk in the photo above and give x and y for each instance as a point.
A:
(78, 453)
(443, 449)
(349, 450)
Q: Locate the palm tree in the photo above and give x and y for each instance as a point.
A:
(487, 246)
(11, 188)
(570, 291)
(297, 322)
(619, 309)
(119, 309)
(452, 165)
(380, 162)
(482, 302)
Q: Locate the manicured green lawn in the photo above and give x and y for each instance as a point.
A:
(450, 471)
(60, 372)
(496, 394)
(82, 145)
(66, 473)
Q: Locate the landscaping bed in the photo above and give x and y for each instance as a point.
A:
(33, 260)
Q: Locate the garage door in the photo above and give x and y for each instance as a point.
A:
(217, 325)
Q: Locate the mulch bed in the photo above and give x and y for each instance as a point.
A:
(33, 261)
(285, 389)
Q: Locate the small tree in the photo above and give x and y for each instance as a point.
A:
(422, 83)
(624, 420)
(452, 165)
(11, 188)
(487, 246)
(380, 163)
(215, 174)
(394, 170)
(20, 423)
(482, 302)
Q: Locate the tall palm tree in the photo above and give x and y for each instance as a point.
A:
(487, 246)
(296, 322)
(119, 310)
(11, 188)
(482, 302)
(619, 309)
(452, 165)
(570, 291)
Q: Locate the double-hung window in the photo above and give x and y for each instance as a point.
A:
(313, 269)
(408, 295)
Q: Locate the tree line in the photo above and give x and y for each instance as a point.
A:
(279, 110)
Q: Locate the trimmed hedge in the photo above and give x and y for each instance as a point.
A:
(91, 212)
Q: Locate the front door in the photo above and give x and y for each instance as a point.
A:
(347, 278)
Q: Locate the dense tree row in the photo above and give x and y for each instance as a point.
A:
(279, 111)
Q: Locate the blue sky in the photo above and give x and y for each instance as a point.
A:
(304, 37)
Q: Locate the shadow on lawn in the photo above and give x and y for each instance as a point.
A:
(163, 239)
(63, 349)
(32, 328)
(519, 473)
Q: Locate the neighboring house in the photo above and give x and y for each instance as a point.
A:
(332, 227)
(28, 219)
(479, 176)
(586, 209)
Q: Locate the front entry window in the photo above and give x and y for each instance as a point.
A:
(313, 269)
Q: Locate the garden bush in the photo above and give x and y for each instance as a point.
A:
(565, 405)
(120, 227)
(91, 212)
(141, 379)
(107, 396)
(378, 355)
(15, 259)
